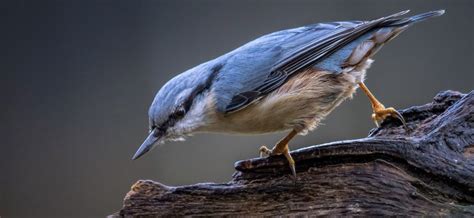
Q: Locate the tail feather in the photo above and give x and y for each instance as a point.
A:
(414, 19)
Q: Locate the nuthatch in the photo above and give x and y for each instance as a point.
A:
(286, 80)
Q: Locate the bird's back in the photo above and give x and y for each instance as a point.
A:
(248, 66)
(261, 66)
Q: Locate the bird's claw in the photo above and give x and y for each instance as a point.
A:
(291, 162)
(264, 151)
(381, 114)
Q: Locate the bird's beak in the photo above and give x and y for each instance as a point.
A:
(150, 142)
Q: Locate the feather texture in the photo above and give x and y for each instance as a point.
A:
(263, 65)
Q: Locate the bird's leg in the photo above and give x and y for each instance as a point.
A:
(380, 112)
(282, 148)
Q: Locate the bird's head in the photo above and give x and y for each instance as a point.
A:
(180, 108)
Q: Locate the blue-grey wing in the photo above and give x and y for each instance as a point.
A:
(263, 65)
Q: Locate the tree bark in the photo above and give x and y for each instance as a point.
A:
(427, 169)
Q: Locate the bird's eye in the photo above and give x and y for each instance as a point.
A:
(180, 113)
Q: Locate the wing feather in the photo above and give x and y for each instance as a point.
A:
(310, 54)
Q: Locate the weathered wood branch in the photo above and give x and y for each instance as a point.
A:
(425, 170)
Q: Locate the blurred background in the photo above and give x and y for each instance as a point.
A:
(78, 78)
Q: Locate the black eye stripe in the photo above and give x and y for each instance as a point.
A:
(175, 116)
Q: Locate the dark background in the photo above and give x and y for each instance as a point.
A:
(78, 77)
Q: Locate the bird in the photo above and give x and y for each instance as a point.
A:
(288, 80)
